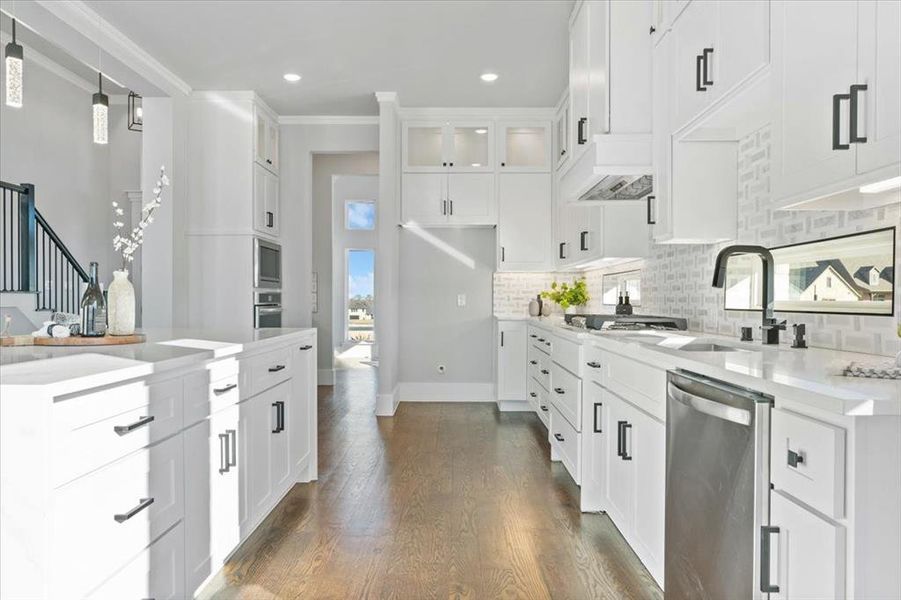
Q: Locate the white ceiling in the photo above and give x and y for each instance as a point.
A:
(431, 52)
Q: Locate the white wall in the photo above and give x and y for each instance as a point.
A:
(435, 266)
(325, 168)
(296, 146)
(49, 142)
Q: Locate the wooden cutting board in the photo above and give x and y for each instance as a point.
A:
(16, 340)
(107, 340)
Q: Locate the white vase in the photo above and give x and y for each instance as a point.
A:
(121, 305)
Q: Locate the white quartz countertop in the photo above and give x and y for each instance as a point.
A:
(65, 369)
(812, 376)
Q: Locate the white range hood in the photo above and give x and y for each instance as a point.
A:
(611, 84)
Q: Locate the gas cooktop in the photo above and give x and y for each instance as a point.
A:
(627, 322)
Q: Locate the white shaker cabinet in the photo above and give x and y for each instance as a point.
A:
(511, 361)
(524, 222)
(620, 492)
(836, 95)
(458, 146)
(562, 138)
(265, 201)
(807, 552)
(302, 417)
(265, 139)
(523, 146)
(448, 199)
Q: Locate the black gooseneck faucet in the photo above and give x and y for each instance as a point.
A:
(770, 326)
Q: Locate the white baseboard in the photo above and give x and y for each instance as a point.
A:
(386, 404)
(326, 376)
(445, 392)
(514, 406)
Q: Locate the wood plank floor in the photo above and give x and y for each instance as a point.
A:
(440, 501)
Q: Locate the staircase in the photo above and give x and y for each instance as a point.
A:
(33, 259)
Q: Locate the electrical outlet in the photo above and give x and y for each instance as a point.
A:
(461, 300)
(442, 369)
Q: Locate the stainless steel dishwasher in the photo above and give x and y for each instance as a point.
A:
(717, 490)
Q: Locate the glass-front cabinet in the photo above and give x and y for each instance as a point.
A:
(524, 146)
(448, 145)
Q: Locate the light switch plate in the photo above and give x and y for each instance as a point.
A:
(461, 300)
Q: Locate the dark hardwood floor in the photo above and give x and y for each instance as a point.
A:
(440, 501)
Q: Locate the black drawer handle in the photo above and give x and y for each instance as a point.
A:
(625, 455)
(227, 388)
(837, 122)
(269, 161)
(580, 131)
(533, 362)
(651, 219)
(276, 368)
(597, 415)
(594, 365)
(532, 335)
(144, 503)
(123, 429)
(307, 347)
(533, 394)
(540, 339)
(545, 372)
(279, 416)
(855, 90)
(560, 391)
(619, 438)
(699, 60)
(547, 343)
(794, 458)
(706, 55)
(558, 437)
(583, 241)
(544, 408)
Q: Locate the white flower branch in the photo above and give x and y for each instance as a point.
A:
(128, 244)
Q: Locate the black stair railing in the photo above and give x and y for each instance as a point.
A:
(34, 258)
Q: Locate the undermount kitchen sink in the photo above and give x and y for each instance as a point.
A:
(709, 347)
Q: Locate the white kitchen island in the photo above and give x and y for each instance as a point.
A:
(135, 471)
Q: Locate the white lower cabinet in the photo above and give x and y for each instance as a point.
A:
(212, 494)
(595, 429)
(511, 361)
(620, 470)
(807, 561)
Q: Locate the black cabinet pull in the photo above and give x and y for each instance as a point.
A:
(597, 415)
(503, 254)
(581, 130)
(837, 121)
(706, 56)
(545, 372)
(533, 394)
(451, 164)
(594, 365)
(532, 335)
(855, 90)
(502, 339)
(625, 455)
(227, 388)
(765, 585)
(307, 347)
(651, 219)
(142, 504)
(269, 218)
(533, 362)
(444, 164)
(547, 343)
(269, 161)
(558, 437)
(450, 204)
(699, 60)
(232, 460)
(223, 453)
(652, 30)
(563, 152)
(123, 429)
(794, 458)
(276, 368)
(544, 408)
(279, 416)
(560, 391)
(619, 438)
(503, 164)
(540, 339)
(583, 241)
(561, 255)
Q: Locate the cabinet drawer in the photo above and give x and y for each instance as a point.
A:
(567, 354)
(541, 341)
(101, 520)
(565, 440)
(592, 369)
(537, 361)
(566, 395)
(157, 572)
(210, 391)
(538, 398)
(268, 370)
(640, 384)
(95, 429)
(808, 461)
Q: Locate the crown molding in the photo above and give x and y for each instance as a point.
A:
(386, 97)
(543, 113)
(328, 120)
(90, 24)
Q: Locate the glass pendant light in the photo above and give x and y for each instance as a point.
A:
(101, 109)
(14, 72)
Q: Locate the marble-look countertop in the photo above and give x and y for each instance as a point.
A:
(812, 375)
(65, 369)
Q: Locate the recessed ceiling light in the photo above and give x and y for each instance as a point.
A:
(481, 131)
(292, 77)
(489, 77)
(477, 164)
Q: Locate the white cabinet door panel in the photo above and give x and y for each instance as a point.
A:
(620, 468)
(470, 198)
(424, 199)
(511, 360)
(524, 222)
(695, 31)
(650, 491)
(281, 411)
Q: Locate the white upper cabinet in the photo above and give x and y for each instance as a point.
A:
(523, 146)
(661, 206)
(265, 201)
(458, 146)
(579, 78)
(836, 96)
(447, 199)
(618, 229)
(561, 134)
(717, 46)
(524, 222)
(265, 139)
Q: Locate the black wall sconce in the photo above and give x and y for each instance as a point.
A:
(135, 112)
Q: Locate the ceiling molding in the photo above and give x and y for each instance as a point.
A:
(86, 21)
(386, 97)
(328, 120)
(32, 55)
(477, 113)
